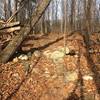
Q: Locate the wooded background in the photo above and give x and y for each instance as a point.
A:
(61, 15)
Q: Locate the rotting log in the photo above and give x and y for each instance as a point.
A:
(2, 21)
(9, 30)
(7, 25)
(16, 41)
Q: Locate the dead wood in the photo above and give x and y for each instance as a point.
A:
(7, 25)
(9, 30)
(17, 40)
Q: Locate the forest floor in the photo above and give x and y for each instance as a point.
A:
(45, 72)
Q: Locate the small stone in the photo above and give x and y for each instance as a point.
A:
(37, 53)
(67, 50)
(91, 51)
(76, 56)
(87, 77)
(23, 57)
(64, 50)
(15, 60)
(29, 54)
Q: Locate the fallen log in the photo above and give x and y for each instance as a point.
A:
(2, 21)
(9, 30)
(17, 40)
(7, 25)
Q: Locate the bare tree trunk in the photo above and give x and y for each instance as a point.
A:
(15, 8)
(88, 15)
(65, 23)
(52, 19)
(93, 15)
(48, 20)
(72, 13)
(62, 16)
(9, 8)
(13, 45)
(45, 24)
(42, 25)
(5, 9)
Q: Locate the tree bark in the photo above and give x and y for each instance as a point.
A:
(72, 14)
(13, 45)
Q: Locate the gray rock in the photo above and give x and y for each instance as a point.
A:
(23, 57)
(29, 54)
(64, 50)
(37, 53)
(15, 60)
(87, 77)
(57, 55)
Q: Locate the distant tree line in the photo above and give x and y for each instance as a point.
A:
(61, 15)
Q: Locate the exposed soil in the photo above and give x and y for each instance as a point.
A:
(49, 74)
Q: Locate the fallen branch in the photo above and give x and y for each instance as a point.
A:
(9, 30)
(7, 25)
